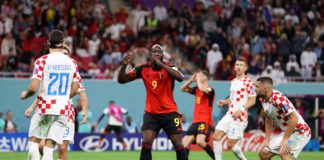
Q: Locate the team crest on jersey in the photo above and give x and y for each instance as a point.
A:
(285, 107)
(253, 89)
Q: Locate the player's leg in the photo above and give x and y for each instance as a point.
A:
(34, 137)
(62, 150)
(106, 131)
(266, 154)
(236, 133)
(221, 129)
(118, 130)
(201, 141)
(218, 149)
(54, 135)
(33, 151)
(41, 146)
(187, 140)
(150, 130)
(172, 126)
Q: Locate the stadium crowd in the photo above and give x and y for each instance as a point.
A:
(281, 39)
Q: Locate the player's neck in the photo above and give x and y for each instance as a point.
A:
(155, 67)
(55, 50)
(240, 76)
(268, 94)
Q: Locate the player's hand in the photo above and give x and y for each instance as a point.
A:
(193, 78)
(84, 120)
(128, 58)
(221, 103)
(284, 148)
(156, 60)
(23, 95)
(28, 112)
(237, 113)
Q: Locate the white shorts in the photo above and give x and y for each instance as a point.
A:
(233, 129)
(69, 133)
(296, 141)
(48, 127)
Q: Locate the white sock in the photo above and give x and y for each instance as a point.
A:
(238, 152)
(218, 150)
(48, 153)
(33, 152)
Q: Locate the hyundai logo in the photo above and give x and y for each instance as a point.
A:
(90, 143)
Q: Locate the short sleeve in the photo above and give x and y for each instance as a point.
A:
(76, 72)
(80, 83)
(192, 90)
(250, 88)
(136, 73)
(105, 111)
(282, 102)
(124, 111)
(38, 71)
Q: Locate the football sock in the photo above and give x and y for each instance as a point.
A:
(238, 152)
(209, 151)
(146, 151)
(48, 153)
(218, 150)
(181, 154)
(33, 152)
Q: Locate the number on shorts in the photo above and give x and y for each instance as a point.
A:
(154, 84)
(176, 121)
(198, 100)
(201, 127)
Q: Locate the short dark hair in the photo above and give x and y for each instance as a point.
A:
(205, 72)
(111, 102)
(267, 80)
(242, 59)
(56, 39)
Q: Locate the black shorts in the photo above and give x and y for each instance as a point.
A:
(116, 129)
(199, 128)
(169, 122)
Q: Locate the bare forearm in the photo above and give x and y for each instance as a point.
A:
(291, 125)
(174, 73)
(100, 118)
(122, 76)
(250, 102)
(268, 128)
(84, 102)
(34, 104)
(185, 86)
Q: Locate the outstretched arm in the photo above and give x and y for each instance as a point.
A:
(84, 104)
(31, 90)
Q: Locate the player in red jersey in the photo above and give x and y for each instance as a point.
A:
(199, 130)
(161, 110)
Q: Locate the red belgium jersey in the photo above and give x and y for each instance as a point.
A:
(159, 89)
(203, 105)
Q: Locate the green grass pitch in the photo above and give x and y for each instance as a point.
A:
(159, 155)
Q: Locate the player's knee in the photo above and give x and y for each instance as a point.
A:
(201, 142)
(177, 143)
(62, 148)
(148, 140)
(230, 145)
(286, 157)
(217, 137)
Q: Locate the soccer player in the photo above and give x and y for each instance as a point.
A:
(55, 75)
(242, 96)
(199, 130)
(161, 110)
(68, 137)
(115, 122)
(281, 112)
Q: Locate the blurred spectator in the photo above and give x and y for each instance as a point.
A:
(308, 61)
(86, 127)
(321, 124)
(292, 63)
(106, 59)
(267, 72)
(298, 42)
(214, 56)
(94, 70)
(8, 43)
(299, 107)
(209, 25)
(115, 30)
(2, 123)
(160, 11)
(10, 126)
(130, 126)
(284, 46)
(138, 18)
(116, 55)
(6, 24)
(94, 45)
(278, 74)
(12, 61)
(318, 73)
(184, 123)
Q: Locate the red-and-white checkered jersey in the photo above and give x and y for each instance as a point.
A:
(241, 90)
(278, 107)
(80, 89)
(56, 72)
